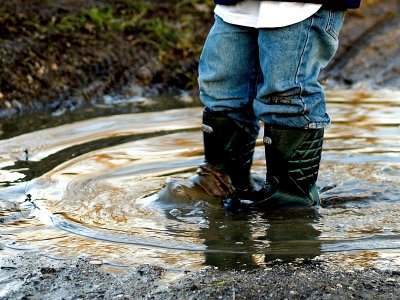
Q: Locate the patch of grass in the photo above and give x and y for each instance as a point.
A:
(59, 46)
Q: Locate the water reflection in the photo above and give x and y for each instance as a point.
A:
(263, 238)
(91, 185)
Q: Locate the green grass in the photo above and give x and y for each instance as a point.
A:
(69, 39)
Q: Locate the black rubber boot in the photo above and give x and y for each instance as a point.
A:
(229, 148)
(293, 157)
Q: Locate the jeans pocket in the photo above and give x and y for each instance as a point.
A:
(335, 23)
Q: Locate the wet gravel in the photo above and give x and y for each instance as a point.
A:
(30, 276)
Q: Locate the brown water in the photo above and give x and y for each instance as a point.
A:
(87, 188)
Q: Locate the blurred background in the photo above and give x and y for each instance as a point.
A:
(67, 53)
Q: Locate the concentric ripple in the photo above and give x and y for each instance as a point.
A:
(89, 189)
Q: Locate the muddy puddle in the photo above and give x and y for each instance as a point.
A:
(88, 188)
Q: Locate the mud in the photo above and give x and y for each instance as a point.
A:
(62, 54)
(367, 57)
(27, 276)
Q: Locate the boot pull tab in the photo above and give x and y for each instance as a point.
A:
(267, 140)
(207, 129)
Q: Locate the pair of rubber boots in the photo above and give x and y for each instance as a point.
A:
(292, 158)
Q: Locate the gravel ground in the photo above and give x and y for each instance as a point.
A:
(30, 276)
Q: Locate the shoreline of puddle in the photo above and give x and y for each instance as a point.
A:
(95, 186)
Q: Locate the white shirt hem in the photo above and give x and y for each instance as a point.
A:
(266, 14)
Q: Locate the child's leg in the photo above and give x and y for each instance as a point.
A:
(291, 103)
(228, 72)
(291, 59)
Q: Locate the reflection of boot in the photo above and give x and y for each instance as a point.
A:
(293, 157)
(229, 148)
(291, 235)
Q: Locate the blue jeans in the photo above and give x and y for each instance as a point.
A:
(269, 74)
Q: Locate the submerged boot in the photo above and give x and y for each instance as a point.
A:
(293, 157)
(229, 148)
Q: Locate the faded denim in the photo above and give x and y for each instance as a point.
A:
(269, 74)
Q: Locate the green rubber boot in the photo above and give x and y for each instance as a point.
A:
(229, 148)
(293, 157)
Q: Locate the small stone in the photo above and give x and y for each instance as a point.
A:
(8, 104)
(144, 74)
(15, 103)
(96, 262)
(41, 70)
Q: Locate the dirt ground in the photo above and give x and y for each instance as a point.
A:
(29, 276)
(66, 53)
